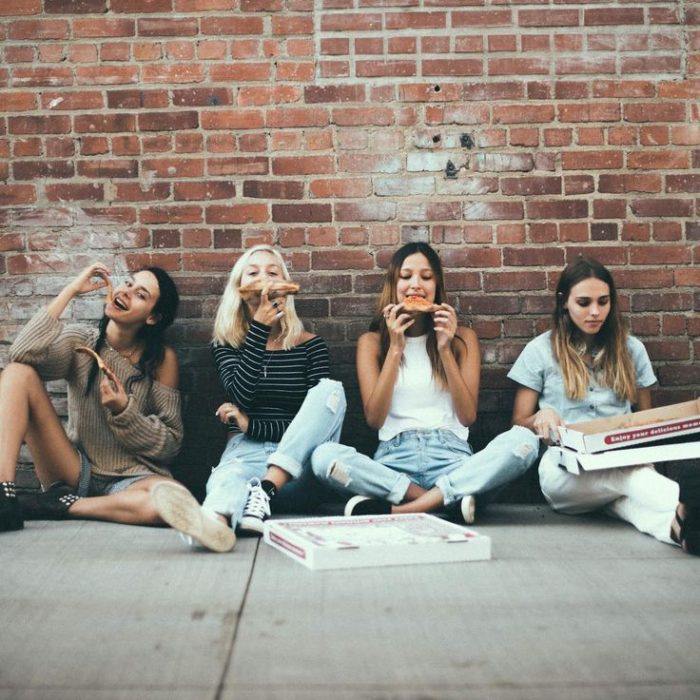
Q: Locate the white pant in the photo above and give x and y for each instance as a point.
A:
(639, 495)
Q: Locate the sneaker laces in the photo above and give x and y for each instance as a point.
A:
(258, 503)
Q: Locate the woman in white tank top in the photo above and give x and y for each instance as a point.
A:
(419, 379)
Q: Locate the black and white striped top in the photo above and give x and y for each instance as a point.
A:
(269, 386)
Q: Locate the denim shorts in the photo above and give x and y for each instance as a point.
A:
(90, 484)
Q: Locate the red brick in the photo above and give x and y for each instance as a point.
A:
(617, 184)
(17, 194)
(168, 121)
(589, 66)
(609, 208)
(592, 160)
(31, 169)
(531, 185)
(135, 192)
(351, 22)
(244, 165)
(271, 189)
(167, 27)
(161, 214)
(591, 112)
(518, 66)
(683, 183)
(296, 117)
(21, 7)
(613, 16)
(341, 259)
(104, 123)
(520, 114)
(75, 192)
(578, 184)
(662, 207)
(39, 125)
(136, 99)
(658, 160)
(108, 168)
(239, 71)
(141, 6)
(302, 71)
(557, 209)
(334, 93)
(548, 18)
(52, 77)
(684, 89)
(232, 25)
(386, 68)
(202, 191)
(237, 214)
(173, 73)
(291, 213)
(303, 165)
(659, 255)
(39, 29)
(653, 112)
(652, 65)
(346, 187)
(94, 28)
(106, 75)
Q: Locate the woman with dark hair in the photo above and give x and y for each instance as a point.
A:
(418, 373)
(124, 422)
(587, 366)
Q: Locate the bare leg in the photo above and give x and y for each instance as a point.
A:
(278, 476)
(427, 501)
(26, 413)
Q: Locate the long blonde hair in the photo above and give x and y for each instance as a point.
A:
(612, 361)
(233, 316)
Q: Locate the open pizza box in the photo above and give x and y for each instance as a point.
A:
(576, 462)
(614, 433)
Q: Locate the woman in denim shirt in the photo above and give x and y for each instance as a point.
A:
(586, 367)
(419, 379)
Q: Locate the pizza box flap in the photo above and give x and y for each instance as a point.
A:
(633, 428)
(576, 462)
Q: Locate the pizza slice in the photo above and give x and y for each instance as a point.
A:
(277, 288)
(416, 304)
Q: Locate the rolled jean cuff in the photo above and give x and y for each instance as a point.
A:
(289, 464)
(448, 493)
(398, 490)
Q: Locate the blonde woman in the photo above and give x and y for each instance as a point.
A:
(282, 404)
(585, 367)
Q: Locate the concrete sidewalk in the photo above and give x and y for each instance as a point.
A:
(575, 608)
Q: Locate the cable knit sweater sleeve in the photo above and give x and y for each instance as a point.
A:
(157, 435)
(47, 344)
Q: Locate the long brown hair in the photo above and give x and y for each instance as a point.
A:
(612, 361)
(388, 296)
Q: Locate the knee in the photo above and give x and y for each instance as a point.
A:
(322, 458)
(330, 392)
(18, 373)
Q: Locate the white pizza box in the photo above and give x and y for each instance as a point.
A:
(375, 540)
(633, 428)
(575, 462)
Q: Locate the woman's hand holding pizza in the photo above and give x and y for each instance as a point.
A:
(397, 322)
(445, 322)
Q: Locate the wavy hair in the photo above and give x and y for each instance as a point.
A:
(612, 361)
(233, 316)
(153, 336)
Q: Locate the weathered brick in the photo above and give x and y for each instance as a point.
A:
(288, 213)
(31, 169)
(341, 259)
(571, 209)
(662, 207)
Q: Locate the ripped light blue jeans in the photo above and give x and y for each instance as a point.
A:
(427, 458)
(319, 419)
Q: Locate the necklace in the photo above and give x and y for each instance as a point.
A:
(126, 355)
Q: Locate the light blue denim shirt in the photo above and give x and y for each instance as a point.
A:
(537, 369)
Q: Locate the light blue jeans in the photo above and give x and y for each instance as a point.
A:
(427, 458)
(319, 419)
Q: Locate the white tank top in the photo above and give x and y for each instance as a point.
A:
(418, 402)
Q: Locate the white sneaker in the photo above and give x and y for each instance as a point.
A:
(467, 509)
(257, 509)
(180, 509)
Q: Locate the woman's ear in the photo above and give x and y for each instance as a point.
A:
(153, 319)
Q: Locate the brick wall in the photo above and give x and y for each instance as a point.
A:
(510, 135)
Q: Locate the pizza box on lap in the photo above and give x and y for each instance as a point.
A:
(631, 429)
(575, 462)
(375, 540)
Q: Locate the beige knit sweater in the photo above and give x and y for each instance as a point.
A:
(138, 441)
